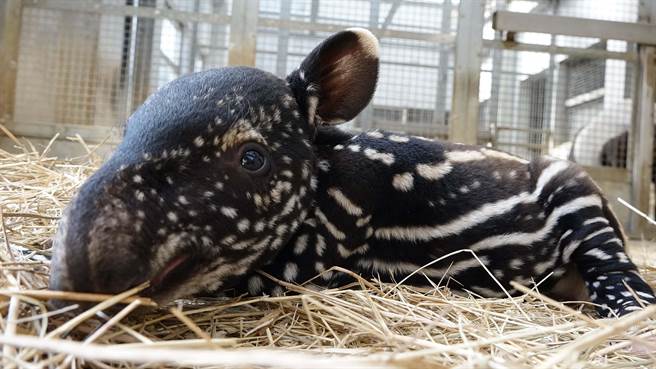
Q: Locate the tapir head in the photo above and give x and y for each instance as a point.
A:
(213, 176)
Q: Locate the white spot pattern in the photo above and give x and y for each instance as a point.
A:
(403, 181)
(344, 201)
(385, 158)
(435, 171)
(229, 212)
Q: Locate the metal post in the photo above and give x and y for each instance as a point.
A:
(243, 32)
(217, 50)
(643, 136)
(193, 49)
(641, 133)
(390, 14)
(463, 125)
(283, 39)
(129, 91)
(314, 14)
(497, 86)
(443, 69)
(144, 55)
(550, 93)
(10, 25)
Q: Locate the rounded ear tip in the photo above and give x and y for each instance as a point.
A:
(367, 39)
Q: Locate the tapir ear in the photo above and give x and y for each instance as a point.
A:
(338, 78)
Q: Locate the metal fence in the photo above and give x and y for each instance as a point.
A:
(536, 103)
(88, 65)
(565, 96)
(84, 66)
(83, 63)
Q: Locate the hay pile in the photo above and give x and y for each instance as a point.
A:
(371, 325)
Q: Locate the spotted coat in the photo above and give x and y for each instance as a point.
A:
(228, 175)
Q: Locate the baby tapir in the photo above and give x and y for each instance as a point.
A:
(230, 171)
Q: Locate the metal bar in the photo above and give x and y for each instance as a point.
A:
(570, 51)
(443, 68)
(218, 47)
(184, 16)
(522, 129)
(520, 144)
(390, 14)
(10, 25)
(129, 93)
(643, 136)
(193, 48)
(145, 51)
(384, 43)
(380, 33)
(408, 26)
(243, 31)
(283, 39)
(551, 90)
(169, 62)
(572, 26)
(314, 15)
(386, 62)
(632, 223)
(125, 10)
(493, 104)
(463, 125)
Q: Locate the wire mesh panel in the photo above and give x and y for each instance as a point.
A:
(68, 73)
(576, 107)
(414, 89)
(93, 65)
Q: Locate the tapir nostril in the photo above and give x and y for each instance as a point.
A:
(169, 269)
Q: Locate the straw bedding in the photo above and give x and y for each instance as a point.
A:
(370, 325)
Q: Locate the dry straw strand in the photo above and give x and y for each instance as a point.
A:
(367, 325)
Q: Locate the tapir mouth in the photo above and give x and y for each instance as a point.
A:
(173, 274)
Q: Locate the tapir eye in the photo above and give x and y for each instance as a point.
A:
(253, 159)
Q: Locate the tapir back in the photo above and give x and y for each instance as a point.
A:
(389, 205)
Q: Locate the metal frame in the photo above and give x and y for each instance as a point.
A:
(463, 126)
(642, 132)
(643, 138)
(283, 39)
(244, 24)
(243, 32)
(439, 114)
(630, 56)
(185, 16)
(126, 10)
(639, 33)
